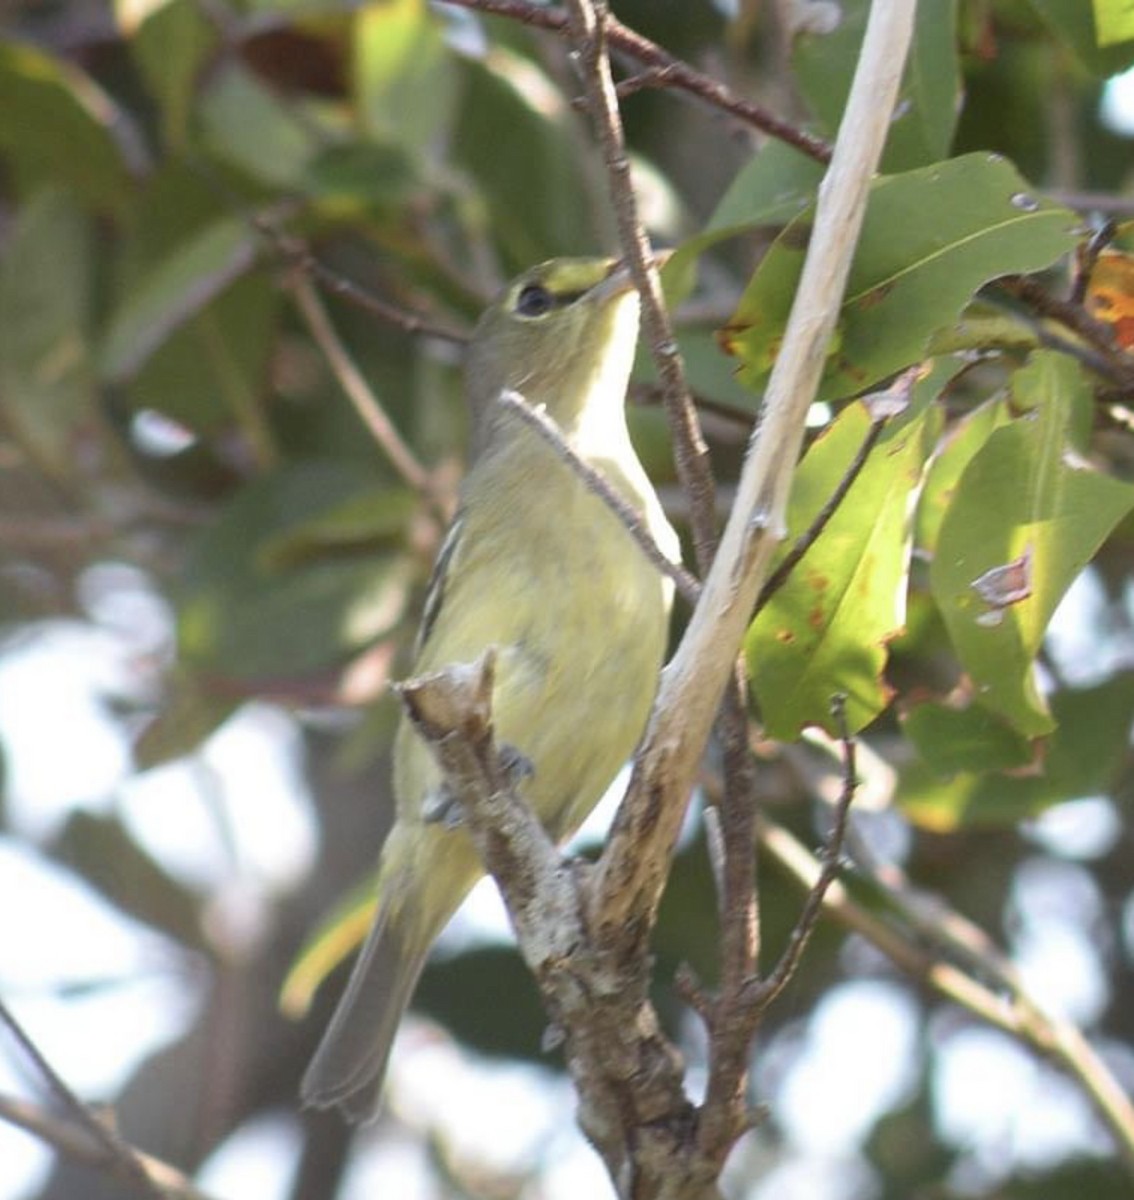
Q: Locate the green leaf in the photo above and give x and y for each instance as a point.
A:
(1083, 757)
(1073, 23)
(46, 392)
(405, 81)
(965, 739)
(1027, 506)
(953, 454)
(931, 238)
(176, 289)
(189, 714)
(774, 186)
(1114, 21)
(60, 127)
(245, 125)
(538, 204)
(170, 41)
(826, 630)
(102, 851)
(336, 939)
(929, 98)
(360, 522)
(245, 614)
(771, 188)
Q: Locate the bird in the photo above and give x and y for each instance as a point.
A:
(538, 567)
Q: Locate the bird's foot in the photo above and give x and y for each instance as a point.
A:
(441, 807)
(516, 765)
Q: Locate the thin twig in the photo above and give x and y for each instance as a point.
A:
(664, 71)
(631, 872)
(298, 254)
(1098, 336)
(588, 20)
(810, 535)
(1005, 1004)
(75, 1143)
(358, 391)
(114, 1151)
(766, 991)
(538, 420)
(1086, 259)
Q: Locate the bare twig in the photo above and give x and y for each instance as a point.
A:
(1098, 336)
(115, 1154)
(1087, 258)
(633, 866)
(298, 255)
(538, 420)
(74, 1142)
(810, 535)
(634, 1108)
(358, 391)
(664, 70)
(1003, 1002)
(588, 35)
(766, 991)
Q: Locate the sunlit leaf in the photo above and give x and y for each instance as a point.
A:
(1083, 757)
(1026, 498)
(339, 936)
(826, 630)
(1114, 21)
(930, 239)
(405, 80)
(949, 461)
(1073, 22)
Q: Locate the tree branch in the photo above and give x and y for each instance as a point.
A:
(542, 423)
(1002, 1002)
(588, 36)
(664, 70)
(87, 1139)
(365, 403)
(634, 864)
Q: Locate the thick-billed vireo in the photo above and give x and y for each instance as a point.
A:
(539, 567)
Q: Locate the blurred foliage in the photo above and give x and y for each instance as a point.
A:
(166, 169)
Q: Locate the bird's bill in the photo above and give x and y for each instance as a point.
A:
(620, 280)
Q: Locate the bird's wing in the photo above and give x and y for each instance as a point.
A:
(435, 591)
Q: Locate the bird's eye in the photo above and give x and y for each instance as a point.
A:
(534, 300)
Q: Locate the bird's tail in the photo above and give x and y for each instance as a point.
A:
(350, 1063)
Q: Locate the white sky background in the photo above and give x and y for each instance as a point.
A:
(827, 1080)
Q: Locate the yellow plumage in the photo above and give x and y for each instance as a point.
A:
(537, 566)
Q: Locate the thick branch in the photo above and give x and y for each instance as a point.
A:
(633, 867)
(629, 1078)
